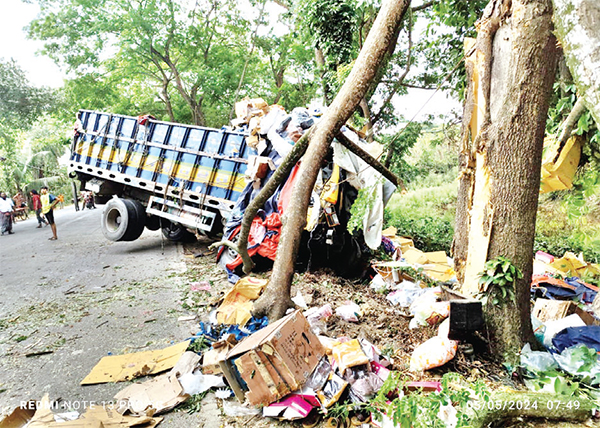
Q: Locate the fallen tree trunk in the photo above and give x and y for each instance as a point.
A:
(276, 298)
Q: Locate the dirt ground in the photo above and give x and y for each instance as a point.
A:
(72, 324)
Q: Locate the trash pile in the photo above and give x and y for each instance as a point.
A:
(565, 318)
(327, 242)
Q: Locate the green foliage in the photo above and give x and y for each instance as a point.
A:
(421, 410)
(361, 206)
(21, 103)
(448, 23)
(426, 215)
(193, 404)
(498, 280)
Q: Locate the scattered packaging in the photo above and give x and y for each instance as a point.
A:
(550, 310)
(349, 312)
(237, 304)
(435, 352)
(211, 359)
(274, 361)
(292, 407)
(349, 354)
(332, 391)
(118, 368)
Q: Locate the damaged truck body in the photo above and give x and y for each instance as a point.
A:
(188, 179)
(155, 174)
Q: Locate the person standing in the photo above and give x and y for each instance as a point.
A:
(48, 203)
(37, 207)
(7, 207)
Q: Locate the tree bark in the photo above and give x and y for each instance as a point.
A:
(276, 300)
(518, 57)
(577, 26)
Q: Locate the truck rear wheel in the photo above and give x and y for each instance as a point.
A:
(177, 233)
(135, 227)
(120, 220)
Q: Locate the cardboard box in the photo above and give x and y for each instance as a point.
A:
(274, 361)
(550, 310)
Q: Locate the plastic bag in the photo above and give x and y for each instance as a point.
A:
(406, 295)
(536, 361)
(317, 318)
(235, 409)
(196, 383)
(574, 359)
(435, 352)
(349, 312)
(378, 284)
(427, 310)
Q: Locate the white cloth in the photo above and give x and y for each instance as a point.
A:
(6, 205)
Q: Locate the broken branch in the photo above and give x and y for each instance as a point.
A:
(358, 151)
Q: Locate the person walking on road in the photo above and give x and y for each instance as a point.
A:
(37, 207)
(7, 208)
(48, 203)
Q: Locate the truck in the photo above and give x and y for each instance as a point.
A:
(183, 179)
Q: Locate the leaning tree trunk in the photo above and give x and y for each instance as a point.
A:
(276, 299)
(515, 64)
(577, 26)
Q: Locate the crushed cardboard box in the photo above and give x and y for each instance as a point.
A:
(274, 361)
(96, 416)
(551, 310)
(435, 264)
(118, 368)
(159, 394)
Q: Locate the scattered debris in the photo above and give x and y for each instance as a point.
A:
(118, 368)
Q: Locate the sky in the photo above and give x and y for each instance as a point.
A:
(40, 69)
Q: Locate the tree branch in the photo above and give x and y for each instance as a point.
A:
(358, 151)
(423, 6)
(280, 174)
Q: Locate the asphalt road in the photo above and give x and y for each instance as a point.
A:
(65, 304)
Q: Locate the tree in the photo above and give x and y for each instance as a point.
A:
(276, 299)
(577, 31)
(503, 133)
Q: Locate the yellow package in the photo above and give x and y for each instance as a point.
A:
(349, 354)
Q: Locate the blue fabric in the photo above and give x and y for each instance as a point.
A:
(588, 335)
(213, 332)
(584, 293)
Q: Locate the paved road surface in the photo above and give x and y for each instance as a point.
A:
(81, 297)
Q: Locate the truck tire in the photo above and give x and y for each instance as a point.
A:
(177, 233)
(137, 221)
(115, 219)
(153, 222)
(120, 220)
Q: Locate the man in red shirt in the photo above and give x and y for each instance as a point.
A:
(37, 207)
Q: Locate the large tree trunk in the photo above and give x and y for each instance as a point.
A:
(276, 299)
(515, 61)
(577, 26)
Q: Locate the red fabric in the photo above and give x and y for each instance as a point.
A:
(268, 246)
(536, 280)
(286, 192)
